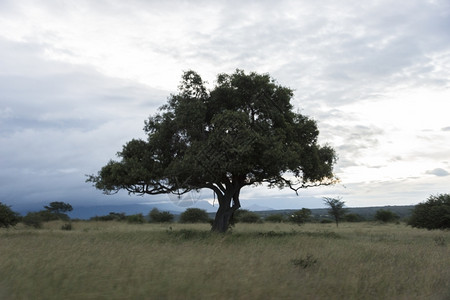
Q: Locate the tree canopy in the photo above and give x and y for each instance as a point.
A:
(243, 132)
(433, 213)
(8, 217)
(337, 209)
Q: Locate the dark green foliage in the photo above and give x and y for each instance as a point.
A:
(326, 221)
(242, 132)
(112, 216)
(337, 210)
(246, 216)
(385, 216)
(194, 215)
(275, 218)
(301, 216)
(136, 219)
(440, 241)
(432, 214)
(304, 262)
(56, 211)
(33, 219)
(67, 226)
(157, 216)
(58, 207)
(48, 216)
(353, 218)
(7, 216)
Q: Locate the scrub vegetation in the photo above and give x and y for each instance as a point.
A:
(121, 260)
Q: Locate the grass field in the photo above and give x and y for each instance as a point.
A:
(111, 260)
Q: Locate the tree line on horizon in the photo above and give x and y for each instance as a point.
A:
(431, 214)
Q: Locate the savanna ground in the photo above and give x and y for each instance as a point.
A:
(112, 260)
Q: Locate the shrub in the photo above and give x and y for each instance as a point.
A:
(47, 216)
(157, 216)
(385, 216)
(249, 217)
(432, 214)
(353, 218)
(326, 221)
(275, 218)
(136, 219)
(7, 216)
(305, 262)
(112, 216)
(67, 226)
(300, 216)
(33, 219)
(245, 216)
(194, 215)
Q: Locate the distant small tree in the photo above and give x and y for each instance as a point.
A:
(7, 216)
(59, 209)
(301, 216)
(432, 214)
(386, 216)
(337, 210)
(194, 215)
(275, 218)
(157, 216)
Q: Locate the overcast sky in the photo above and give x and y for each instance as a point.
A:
(78, 79)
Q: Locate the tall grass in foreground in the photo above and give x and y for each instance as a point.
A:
(262, 261)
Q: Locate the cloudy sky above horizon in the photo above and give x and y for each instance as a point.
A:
(78, 79)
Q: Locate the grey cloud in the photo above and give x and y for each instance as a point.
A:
(61, 121)
(55, 116)
(438, 172)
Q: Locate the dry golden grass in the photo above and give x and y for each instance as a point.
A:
(110, 260)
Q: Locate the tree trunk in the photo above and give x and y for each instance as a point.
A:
(225, 211)
(222, 219)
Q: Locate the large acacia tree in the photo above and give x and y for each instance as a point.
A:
(243, 132)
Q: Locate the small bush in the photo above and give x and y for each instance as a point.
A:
(326, 221)
(439, 241)
(432, 214)
(353, 218)
(305, 262)
(112, 216)
(385, 216)
(245, 216)
(194, 215)
(157, 216)
(33, 219)
(7, 216)
(136, 219)
(47, 216)
(275, 218)
(301, 216)
(67, 226)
